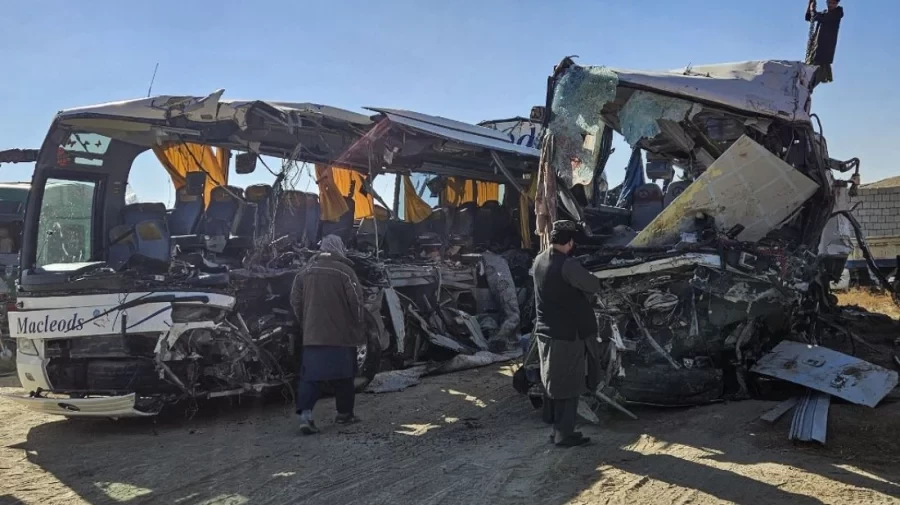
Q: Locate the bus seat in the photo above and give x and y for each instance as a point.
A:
(343, 227)
(368, 229)
(462, 230)
(290, 215)
(185, 217)
(223, 212)
(135, 213)
(261, 195)
(491, 224)
(648, 203)
(675, 189)
(122, 244)
(153, 240)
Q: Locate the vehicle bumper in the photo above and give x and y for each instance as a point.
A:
(105, 407)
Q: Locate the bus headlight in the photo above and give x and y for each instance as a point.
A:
(26, 346)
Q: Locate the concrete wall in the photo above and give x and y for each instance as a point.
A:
(879, 212)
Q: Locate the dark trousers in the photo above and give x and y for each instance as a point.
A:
(563, 414)
(308, 393)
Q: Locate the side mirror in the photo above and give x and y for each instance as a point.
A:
(245, 163)
(538, 114)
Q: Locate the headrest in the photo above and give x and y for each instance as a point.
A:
(258, 192)
(222, 194)
(295, 198)
(149, 230)
(156, 207)
(182, 195)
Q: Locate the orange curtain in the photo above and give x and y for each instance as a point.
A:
(343, 179)
(525, 200)
(487, 191)
(331, 202)
(181, 158)
(460, 191)
(415, 210)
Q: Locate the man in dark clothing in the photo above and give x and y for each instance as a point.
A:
(327, 300)
(823, 39)
(565, 319)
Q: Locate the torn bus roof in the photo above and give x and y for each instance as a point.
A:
(689, 117)
(308, 132)
(207, 109)
(450, 129)
(773, 88)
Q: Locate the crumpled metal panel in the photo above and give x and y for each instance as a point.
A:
(773, 88)
(747, 185)
(500, 282)
(828, 371)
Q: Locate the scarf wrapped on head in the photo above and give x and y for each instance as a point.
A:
(333, 244)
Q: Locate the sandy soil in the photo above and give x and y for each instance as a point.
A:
(459, 439)
(464, 439)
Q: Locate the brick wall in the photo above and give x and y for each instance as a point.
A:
(879, 211)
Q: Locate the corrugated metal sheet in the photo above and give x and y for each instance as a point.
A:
(810, 423)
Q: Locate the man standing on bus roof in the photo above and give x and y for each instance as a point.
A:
(327, 300)
(823, 41)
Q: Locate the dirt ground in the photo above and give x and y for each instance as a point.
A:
(458, 439)
(464, 438)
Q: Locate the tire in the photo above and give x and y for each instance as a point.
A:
(368, 358)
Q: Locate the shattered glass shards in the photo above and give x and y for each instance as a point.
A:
(639, 116)
(747, 186)
(578, 100)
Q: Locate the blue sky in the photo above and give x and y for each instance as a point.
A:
(466, 60)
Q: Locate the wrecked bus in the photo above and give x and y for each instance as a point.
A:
(703, 273)
(124, 308)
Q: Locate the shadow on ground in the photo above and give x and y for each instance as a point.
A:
(460, 439)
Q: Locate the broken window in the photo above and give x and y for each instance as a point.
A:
(64, 230)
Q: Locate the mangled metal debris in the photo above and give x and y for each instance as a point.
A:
(746, 186)
(721, 265)
(145, 305)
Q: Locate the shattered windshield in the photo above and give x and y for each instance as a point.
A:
(65, 225)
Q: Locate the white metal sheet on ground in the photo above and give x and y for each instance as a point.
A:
(747, 185)
(828, 371)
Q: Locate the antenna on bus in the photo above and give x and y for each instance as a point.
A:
(152, 79)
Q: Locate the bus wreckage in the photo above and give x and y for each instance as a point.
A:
(123, 307)
(701, 276)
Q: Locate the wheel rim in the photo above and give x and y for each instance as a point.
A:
(362, 352)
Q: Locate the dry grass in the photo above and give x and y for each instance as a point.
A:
(871, 300)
